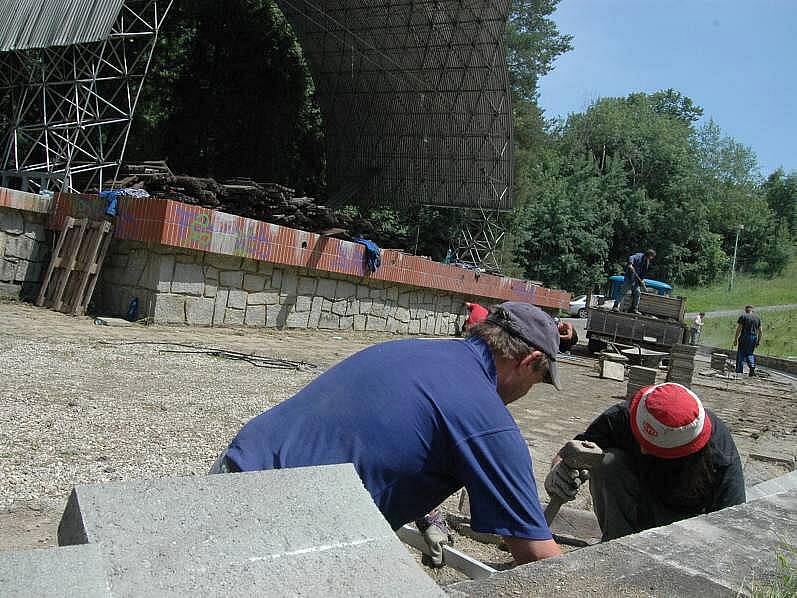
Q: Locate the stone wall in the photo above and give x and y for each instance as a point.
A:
(182, 286)
(24, 252)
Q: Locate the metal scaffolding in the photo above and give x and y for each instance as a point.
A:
(415, 98)
(478, 240)
(71, 73)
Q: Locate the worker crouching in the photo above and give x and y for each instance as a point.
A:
(666, 459)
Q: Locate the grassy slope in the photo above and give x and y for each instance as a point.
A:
(780, 333)
(747, 289)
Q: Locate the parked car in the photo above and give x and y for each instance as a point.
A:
(578, 306)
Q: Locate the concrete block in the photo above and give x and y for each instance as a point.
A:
(169, 309)
(199, 311)
(28, 271)
(189, 279)
(303, 303)
(363, 291)
(326, 305)
(774, 486)
(55, 572)
(11, 221)
(255, 315)
(309, 531)
(326, 288)
(265, 268)
(234, 317)
(414, 327)
(346, 323)
(10, 291)
(340, 308)
(612, 370)
(211, 273)
(232, 279)
(273, 316)
(360, 322)
(717, 554)
(20, 247)
(313, 318)
(290, 282)
(210, 290)
(236, 299)
(276, 279)
(249, 265)
(254, 282)
(8, 270)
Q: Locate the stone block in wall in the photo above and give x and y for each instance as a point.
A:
(290, 282)
(189, 279)
(219, 305)
(327, 287)
(346, 323)
(231, 279)
(378, 294)
(20, 247)
(365, 306)
(392, 293)
(303, 303)
(263, 298)
(378, 308)
(234, 317)
(346, 290)
(352, 306)
(211, 273)
(359, 322)
(236, 299)
(328, 321)
(404, 299)
(276, 279)
(223, 262)
(297, 319)
(363, 291)
(255, 315)
(169, 309)
(265, 268)
(28, 271)
(249, 265)
(210, 289)
(402, 315)
(306, 286)
(11, 221)
(375, 323)
(273, 316)
(340, 308)
(8, 270)
(254, 282)
(199, 311)
(313, 318)
(326, 305)
(428, 325)
(317, 303)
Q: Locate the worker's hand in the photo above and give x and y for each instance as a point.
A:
(436, 534)
(563, 481)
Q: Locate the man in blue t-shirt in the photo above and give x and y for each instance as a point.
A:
(634, 279)
(748, 336)
(420, 419)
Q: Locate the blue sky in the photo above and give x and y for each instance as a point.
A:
(736, 59)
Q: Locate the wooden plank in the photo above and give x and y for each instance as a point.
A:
(79, 232)
(55, 259)
(95, 267)
(88, 254)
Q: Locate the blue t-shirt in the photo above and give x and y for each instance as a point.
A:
(640, 264)
(419, 420)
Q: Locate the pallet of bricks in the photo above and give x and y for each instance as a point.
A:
(639, 377)
(75, 265)
(682, 365)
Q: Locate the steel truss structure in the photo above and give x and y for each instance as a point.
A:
(72, 72)
(478, 240)
(415, 98)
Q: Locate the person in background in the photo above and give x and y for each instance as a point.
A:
(476, 313)
(666, 459)
(697, 328)
(748, 336)
(567, 335)
(634, 279)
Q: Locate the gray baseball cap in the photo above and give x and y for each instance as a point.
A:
(533, 326)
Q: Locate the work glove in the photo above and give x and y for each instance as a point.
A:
(564, 482)
(436, 534)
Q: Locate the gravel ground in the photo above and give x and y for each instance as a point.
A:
(86, 404)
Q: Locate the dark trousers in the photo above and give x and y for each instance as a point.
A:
(622, 504)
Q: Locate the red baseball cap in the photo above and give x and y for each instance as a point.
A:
(669, 421)
(476, 313)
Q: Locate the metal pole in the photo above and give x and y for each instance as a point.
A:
(735, 247)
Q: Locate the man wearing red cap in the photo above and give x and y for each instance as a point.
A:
(667, 458)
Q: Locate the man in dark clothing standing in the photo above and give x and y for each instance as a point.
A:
(634, 279)
(666, 459)
(748, 336)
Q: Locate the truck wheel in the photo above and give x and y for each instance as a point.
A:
(583, 312)
(595, 345)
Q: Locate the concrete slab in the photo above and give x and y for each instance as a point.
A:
(719, 554)
(55, 572)
(773, 486)
(309, 531)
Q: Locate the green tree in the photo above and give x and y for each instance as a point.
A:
(781, 194)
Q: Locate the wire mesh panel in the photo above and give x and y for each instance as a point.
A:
(415, 97)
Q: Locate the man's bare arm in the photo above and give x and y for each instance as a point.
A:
(527, 551)
(736, 334)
